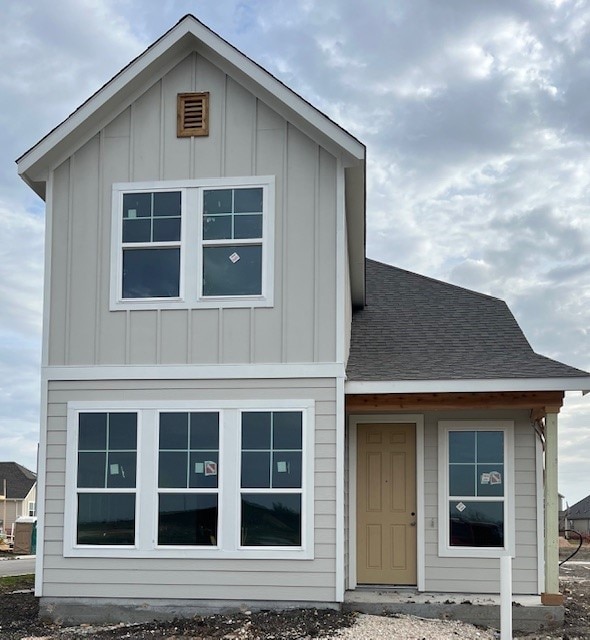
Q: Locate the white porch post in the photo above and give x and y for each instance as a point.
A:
(551, 595)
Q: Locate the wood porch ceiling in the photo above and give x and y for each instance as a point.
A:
(540, 402)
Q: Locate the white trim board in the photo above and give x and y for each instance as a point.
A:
(194, 372)
(474, 385)
(418, 420)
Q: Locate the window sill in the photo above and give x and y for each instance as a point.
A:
(244, 302)
(187, 552)
(474, 552)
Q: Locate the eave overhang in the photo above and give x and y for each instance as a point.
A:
(464, 386)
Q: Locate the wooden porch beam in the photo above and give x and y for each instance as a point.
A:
(540, 402)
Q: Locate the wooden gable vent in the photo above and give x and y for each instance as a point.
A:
(193, 114)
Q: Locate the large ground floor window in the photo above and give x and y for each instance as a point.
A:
(196, 479)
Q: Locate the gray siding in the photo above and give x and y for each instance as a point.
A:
(304, 580)
(246, 138)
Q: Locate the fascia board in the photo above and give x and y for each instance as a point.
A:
(464, 386)
(187, 35)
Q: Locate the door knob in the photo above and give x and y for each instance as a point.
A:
(413, 523)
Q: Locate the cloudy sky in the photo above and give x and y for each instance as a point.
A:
(476, 115)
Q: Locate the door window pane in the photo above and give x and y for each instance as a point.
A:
(271, 520)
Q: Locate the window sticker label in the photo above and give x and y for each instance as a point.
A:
(199, 467)
(282, 466)
(485, 478)
(495, 477)
(234, 257)
(460, 507)
(210, 468)
(114, 470)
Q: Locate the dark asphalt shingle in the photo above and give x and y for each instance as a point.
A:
(19, 480)
(417, 328)
(580, 510)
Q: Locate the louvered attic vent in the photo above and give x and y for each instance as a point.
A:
(193, 114)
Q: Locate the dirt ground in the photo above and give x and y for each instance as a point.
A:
(19, 617)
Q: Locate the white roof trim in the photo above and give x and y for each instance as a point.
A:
(221, 51)
(464, 386)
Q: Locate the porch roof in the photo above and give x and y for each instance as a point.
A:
(415, 328)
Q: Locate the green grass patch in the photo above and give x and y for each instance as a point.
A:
(15, 583)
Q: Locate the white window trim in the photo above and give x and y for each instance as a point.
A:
(228, 490)
(191, 251)
(444, 548)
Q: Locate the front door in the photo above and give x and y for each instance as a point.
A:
(386, 504)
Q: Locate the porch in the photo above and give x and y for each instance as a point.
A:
(528, 614)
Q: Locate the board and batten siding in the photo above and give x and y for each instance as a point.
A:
(294, 580)
(140, 144)
(482, 575)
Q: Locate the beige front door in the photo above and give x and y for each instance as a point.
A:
(386, 504)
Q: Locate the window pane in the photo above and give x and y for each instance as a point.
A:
(204, 469)
(92, 432)
(187, 519)
(123, 431)
(286, 469)
(217, 201)
(462, 446)
(287, 429)
(166, 230)
(490, 446)
(167, 203)
(172, 469)
(479, 524)
(248, 200)
(256, 429)
(137, 205)
(204, 430)
(106, 518)
(490, 478)
(173, 430)
(255, 469)
(217, 227)
(232, 270)
(462, 480)
(151, 273)
(272, 520)
(137, 230)
(121, 469)
(248, 226)
(91, 469)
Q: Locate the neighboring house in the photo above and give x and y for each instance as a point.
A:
(562, 512)
(239, 409)
(578, 516)
(20, 498)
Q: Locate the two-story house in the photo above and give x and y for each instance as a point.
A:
(238, 408)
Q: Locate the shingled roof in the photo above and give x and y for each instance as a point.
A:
(580, 510)
(416, 328)
(19, 480)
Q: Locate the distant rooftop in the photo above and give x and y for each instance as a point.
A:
(19, 480)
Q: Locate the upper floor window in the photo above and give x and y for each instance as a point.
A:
(193, 244)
